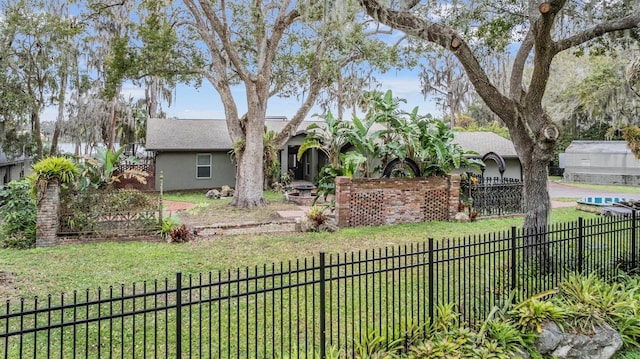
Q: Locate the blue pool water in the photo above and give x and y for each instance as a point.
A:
(601, 201)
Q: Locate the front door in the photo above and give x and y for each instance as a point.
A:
(295, 166)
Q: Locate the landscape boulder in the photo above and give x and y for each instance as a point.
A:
(603, 343)
(226, 191)
(213, 194)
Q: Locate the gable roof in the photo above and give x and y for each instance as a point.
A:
(485, 142)
(213, 135)
(200, 134)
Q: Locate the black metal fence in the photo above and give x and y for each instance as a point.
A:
(302, 308)
(491, 196)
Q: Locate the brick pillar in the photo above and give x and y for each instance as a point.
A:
(454, 195)
(47, 218)
(343, 201)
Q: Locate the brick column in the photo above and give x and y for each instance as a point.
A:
(454, 195)
(343, 201)
(47, 217)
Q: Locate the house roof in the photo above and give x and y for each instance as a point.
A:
(603, 147)
(200, 134)
(213, 135)
(7, 161)
(485, 142)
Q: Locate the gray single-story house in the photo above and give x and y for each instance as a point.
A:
(600, 162)
(194, 154)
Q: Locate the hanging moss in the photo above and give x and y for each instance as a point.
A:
(631, 134)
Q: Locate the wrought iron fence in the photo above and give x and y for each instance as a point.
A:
(109, 212)
(305, 307)
(491, 196)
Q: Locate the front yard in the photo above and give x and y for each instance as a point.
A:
(43, 271)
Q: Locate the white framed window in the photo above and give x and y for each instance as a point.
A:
(203, 166)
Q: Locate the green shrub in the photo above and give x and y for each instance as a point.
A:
(18, 215)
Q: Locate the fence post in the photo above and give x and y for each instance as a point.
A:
(514, 262)
(160, 210)
(178, 315)
(430, 270)
(634, 241)
(580, 248)
(323, 301)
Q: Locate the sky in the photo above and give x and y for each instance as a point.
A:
(204, 102)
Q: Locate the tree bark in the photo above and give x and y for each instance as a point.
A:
(37, 133)
(249, 172)
(60, 118)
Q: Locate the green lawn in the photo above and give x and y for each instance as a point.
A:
(42, 271)
(65, 268)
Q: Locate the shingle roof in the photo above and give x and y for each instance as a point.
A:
(485, 142)
(199, 134)
(212, 135)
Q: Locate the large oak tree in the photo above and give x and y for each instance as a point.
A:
(538, 31)
(270, 48)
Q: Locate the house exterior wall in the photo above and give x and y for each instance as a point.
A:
(179, 171)
(618, 166)
(14, 171)
(512, 169)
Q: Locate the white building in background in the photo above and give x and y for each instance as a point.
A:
(601, 162)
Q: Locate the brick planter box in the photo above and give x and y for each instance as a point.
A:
(364, 201)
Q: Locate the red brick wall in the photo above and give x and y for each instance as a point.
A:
(364, 201)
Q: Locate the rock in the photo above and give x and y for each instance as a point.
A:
(602, 344)
(549, 338)
(226, 191)
(461, 217)
(306, 225)
(213, 194)
(329, 225)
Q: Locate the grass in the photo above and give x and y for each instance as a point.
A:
(103, 264)
(76, 267)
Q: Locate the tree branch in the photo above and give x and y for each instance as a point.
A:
(628, 22)
(517, 73)
(282, 23)
(315, 82)
(447, 38)
(223, 34)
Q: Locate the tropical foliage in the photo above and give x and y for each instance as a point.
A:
(101, 171)
(363, 147)
(17, 215)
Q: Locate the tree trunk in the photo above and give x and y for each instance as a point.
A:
(249, 173)
(537, 208)
(151, 94)
(59, 119)
(112, 124)
(37, 133)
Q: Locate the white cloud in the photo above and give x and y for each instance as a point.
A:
(131, 90)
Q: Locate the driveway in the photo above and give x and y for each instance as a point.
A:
(560, 190)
